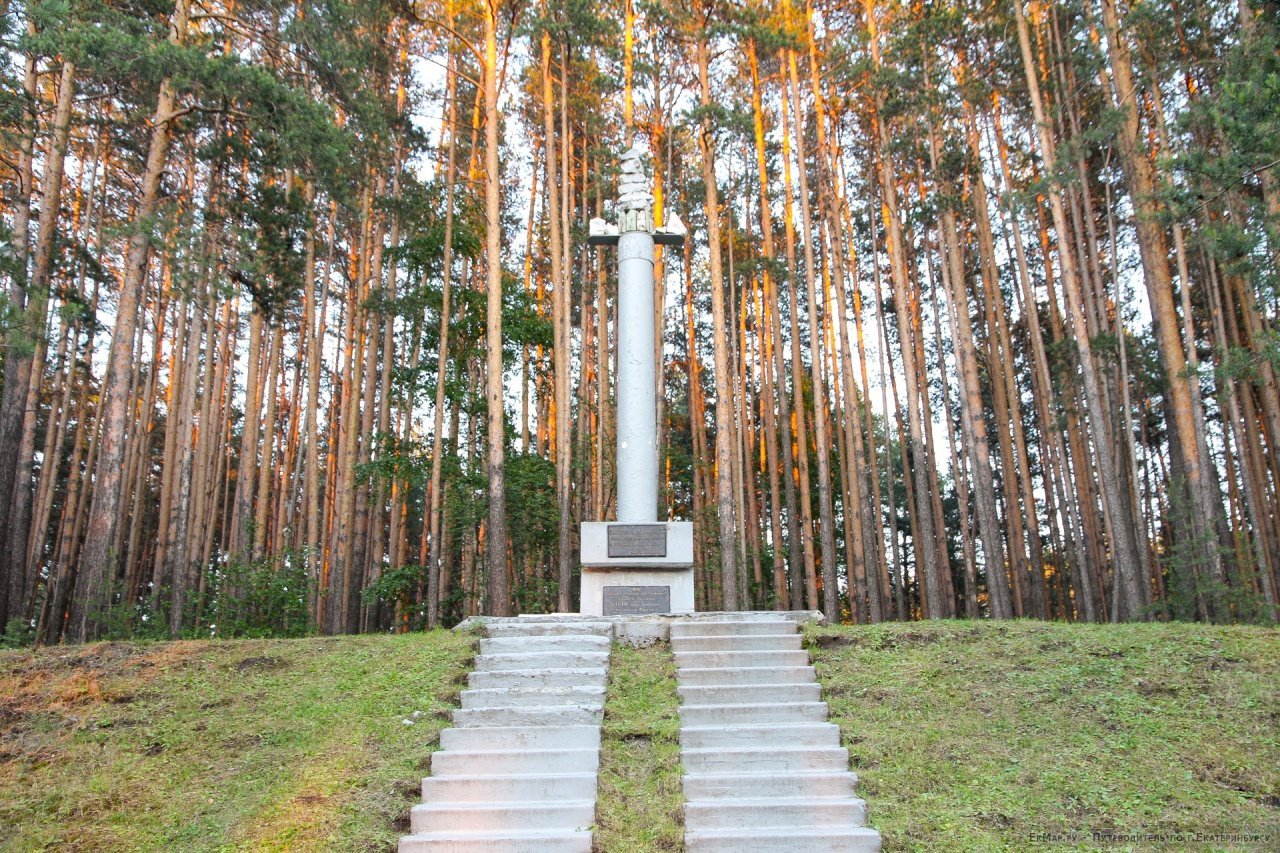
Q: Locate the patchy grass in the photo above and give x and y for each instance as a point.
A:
(222, 745)
(640, 804)
(984, 736)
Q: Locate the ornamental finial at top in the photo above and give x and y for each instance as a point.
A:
(635, 204)
(634, 183)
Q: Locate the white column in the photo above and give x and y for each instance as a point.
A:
(637, 396)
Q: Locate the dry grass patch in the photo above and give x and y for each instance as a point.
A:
(220, 745)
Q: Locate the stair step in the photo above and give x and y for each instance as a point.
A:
(524, 697)
(478, 739)
(710, 628)
(849, 840)
(536, 628)
(543, 787)
(511, 762)
(750, 760)
(511, 841)
(560, 715)
(779, 813)
(760, 736)
(542, 660)
(748, 694)
(737, 786)
(728, 715)
(582, 676)
(764, 770)
(748, 675)
(560, 643)
(704, 660)
(444, 817)
(737, 643)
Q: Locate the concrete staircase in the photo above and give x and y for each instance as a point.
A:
(764, 770)
(517, 772)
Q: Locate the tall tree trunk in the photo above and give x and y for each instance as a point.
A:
(775, 372)
(560, 308)
(821, 428)
(29, 375)
(804, 584)
(1204, 511)
(496, 534)
(721, 332)
(98, 563)
(436, 498)
(17, 368)
(929, 570)
(1123, 543)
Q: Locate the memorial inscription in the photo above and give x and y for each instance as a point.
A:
(637, 540)
(636, 600)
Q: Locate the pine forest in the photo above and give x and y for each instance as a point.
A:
(301, 331)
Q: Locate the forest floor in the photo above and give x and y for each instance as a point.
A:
(966, 736)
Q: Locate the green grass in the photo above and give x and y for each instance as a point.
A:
(966, 736)
(979, 736)
(640, 805)
(224, 745)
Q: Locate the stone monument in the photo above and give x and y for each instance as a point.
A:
(636, 564)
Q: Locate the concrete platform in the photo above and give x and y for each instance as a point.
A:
(643, 630)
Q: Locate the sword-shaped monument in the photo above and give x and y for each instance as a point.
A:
(636, 564)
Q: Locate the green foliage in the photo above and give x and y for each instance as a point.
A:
(267, 598)
(272, 223)
(1236, 126)
(534, 516)
(396, 587)
(19, 633)
(522, 324)
(1248, 363)
(1190, 591)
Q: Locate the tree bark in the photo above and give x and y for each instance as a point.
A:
(98, 563)
(496, 534)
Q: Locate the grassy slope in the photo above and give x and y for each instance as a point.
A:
(966, 736)
(640, 805)
(263, 745)
(976, 736)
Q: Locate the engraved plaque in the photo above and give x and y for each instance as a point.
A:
(636, 600)
(637, 540)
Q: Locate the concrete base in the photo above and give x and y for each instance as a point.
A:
(594, 580)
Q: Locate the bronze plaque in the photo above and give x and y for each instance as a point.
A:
(637, 540)
(636, 600)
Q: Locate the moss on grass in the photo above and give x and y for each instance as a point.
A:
(986, 736)
(224, 745)
(640, 803)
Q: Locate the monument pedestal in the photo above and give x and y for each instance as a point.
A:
(636, 568)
